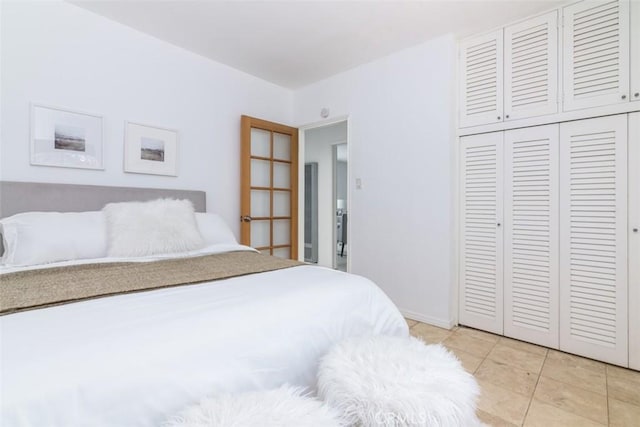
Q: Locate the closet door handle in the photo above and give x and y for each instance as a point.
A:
(635, 230)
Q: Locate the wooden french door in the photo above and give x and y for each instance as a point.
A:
(269, 187)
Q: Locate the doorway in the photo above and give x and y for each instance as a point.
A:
(324, 194)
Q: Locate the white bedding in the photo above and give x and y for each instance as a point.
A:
(135, 359)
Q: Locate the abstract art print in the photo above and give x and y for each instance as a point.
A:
(65, 138)
(150, 150)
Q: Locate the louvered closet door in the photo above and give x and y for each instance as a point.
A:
(593, 238)
(481, 287)
(481, 80)
(596, 54)
(635, 51)
(531, 235)
(634, 240)
(531, 67)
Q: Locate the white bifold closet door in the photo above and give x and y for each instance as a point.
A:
(596, 53)
(531, 67)
(481, 257)
(531, 292)
(593, 238)
(635, 51)
(634, 240)
(481, 80)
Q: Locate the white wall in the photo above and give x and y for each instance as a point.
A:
(59, 54)
(318, 147)
(341, 180)
(401, 139)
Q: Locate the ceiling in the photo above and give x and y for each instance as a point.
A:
(295, 43)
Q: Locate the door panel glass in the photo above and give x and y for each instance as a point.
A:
(281, 175)
(282, 252)
(260, 231)
(281, 203)
(281, 232)
(260, 173)
(260, 203)
(260, 143)
(281, 146)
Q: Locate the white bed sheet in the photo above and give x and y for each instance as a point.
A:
(136, 359)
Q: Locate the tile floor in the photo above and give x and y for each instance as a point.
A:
(526, 385)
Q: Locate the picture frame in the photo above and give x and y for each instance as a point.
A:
(150, 150)
(66, 138)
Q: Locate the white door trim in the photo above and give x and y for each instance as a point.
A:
(301, 157)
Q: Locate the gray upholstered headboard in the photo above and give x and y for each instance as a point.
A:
(17, 197)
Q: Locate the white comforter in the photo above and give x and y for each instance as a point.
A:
(136, 359)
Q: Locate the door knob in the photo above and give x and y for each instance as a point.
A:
(624, 96)
(499, 224)
(637, 94)
(246, 218)
(635, 230)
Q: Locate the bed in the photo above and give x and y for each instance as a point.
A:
(135, 359)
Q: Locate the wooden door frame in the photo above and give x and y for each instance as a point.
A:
(301, 157)
(247, 123)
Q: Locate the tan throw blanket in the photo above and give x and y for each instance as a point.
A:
(31, 289)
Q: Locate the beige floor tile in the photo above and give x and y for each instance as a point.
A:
(464, 341)
(520, 359)
(623, 384)
(507, 377)
(577, 361)
(469, 362)
(410, 322)
(524, 346)
(565, 370)
(492, 420)
(502, 403)
(544, 415)
(475, 333)
(430, 334)
(623, 414)
(572, 399)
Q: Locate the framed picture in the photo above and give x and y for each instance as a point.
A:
(151, 150)
(65, 138)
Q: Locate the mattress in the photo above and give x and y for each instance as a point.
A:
(136, 359)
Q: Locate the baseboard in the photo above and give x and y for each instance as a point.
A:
(446, 324)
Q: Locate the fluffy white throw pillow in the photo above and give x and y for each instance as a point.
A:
(149, 228)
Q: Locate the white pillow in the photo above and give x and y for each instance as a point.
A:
(42, 237)
(149, 228)
(214, 229)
